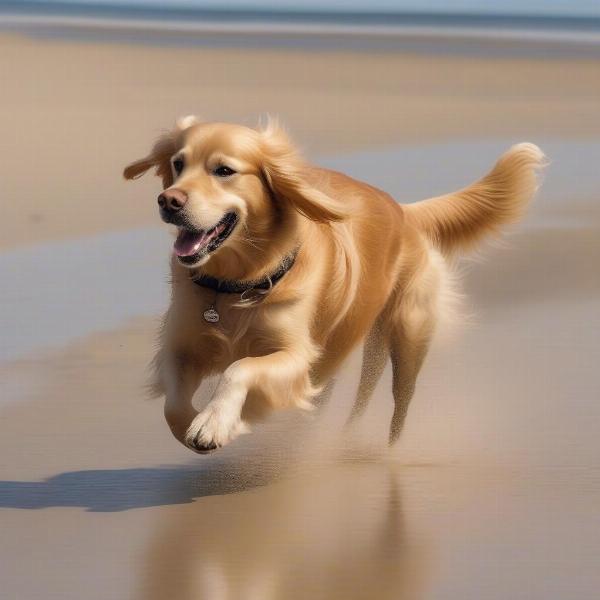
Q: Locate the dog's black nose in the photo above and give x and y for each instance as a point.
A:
(172, 200)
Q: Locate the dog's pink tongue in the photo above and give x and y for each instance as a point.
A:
(189, 243)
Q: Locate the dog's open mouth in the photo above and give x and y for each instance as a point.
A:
(191, 245)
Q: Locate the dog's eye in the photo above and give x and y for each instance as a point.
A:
(223, 171)
(178, 165)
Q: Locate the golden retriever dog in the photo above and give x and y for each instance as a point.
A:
(281, 268)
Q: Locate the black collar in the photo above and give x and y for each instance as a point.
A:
(229, 286)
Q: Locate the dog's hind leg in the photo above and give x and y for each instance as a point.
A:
(375, 354)
(410, 336)
(407, 357)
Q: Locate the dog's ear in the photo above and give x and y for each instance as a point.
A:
(283, 171)
(159, 157)
(161, 153)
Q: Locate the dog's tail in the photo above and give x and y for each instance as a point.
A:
(458, 221)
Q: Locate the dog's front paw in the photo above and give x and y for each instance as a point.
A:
(214, 427)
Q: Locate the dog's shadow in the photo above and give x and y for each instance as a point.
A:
(111, 490)
(252, 463)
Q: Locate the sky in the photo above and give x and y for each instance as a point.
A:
(513, 7)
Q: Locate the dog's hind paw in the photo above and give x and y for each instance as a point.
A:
(214, 427)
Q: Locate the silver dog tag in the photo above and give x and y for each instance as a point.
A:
(211, 315)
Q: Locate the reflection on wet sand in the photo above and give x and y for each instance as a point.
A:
(335, 531)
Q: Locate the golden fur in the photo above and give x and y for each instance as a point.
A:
(367, 268)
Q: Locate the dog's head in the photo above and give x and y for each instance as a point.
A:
(230, 186)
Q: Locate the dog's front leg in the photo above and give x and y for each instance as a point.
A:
(179, 378)
(283, 375)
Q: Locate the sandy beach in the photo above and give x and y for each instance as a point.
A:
(494, 489)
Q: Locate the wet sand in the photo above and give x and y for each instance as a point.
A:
(494, 489)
